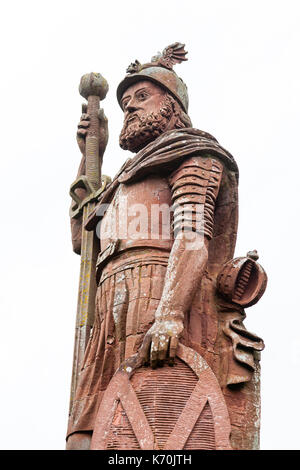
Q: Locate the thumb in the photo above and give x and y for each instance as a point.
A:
(102, 117)
(144, 350)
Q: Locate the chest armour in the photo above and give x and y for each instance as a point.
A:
(139, 215)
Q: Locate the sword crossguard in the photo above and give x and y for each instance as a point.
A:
(83, 183)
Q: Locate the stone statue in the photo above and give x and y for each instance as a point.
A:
(168, 362)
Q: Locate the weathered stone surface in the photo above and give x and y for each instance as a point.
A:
(169, 363)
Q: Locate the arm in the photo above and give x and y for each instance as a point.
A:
(195, 186)
(76, 224)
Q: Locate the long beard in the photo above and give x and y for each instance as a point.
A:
(146, 128)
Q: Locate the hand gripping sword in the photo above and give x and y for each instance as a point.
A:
(93, 87)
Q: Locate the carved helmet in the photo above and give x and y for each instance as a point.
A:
(160, 71)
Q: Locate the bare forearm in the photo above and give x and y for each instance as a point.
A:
(185, 270)
(194, 186)
(76, 224)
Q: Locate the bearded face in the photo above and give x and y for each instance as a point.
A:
(148, 113)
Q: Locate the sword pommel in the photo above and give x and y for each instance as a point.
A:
(93, 84)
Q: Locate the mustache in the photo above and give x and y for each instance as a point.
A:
(131, 117)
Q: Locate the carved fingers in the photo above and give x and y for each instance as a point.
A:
(83, 126)
(144, 349)
(82, 129)
(159, 349)
(154, 351)
(173, 348)
(160, 343)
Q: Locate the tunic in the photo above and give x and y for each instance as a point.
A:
(190, 173)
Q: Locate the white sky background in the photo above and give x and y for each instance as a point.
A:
(243, 80)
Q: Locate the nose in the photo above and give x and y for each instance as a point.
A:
(130, 108)
(131, 105)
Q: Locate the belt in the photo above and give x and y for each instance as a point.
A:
(114, 248)
(105, 255)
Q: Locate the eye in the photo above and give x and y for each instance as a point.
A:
(142, 96)
(124, 104)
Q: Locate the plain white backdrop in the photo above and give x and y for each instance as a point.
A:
(243, 78)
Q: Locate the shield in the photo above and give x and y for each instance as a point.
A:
(168, 408)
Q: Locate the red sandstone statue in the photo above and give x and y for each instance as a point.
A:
(168, 363)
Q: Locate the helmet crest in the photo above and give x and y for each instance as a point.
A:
(160, 71)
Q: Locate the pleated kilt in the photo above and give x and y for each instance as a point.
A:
(127, 297)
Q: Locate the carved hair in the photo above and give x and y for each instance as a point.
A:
(183, 120)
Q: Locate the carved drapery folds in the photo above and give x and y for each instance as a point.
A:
(240, 348)
(242, 282)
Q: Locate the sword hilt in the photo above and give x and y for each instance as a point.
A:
(94, 88)
(92, 195)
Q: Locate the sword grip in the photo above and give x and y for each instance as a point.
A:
(92, 161)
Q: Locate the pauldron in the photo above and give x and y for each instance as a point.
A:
(195, 185)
